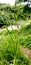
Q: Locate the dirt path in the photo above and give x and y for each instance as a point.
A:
(26, 51)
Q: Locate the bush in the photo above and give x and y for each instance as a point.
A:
(4, 19)
(8, 14)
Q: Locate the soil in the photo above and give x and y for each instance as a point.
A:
(26, 51)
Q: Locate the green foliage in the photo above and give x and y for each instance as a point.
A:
(27, 10)
(25, 38)
(10, 42)
(4, 19)
(9, 14)
(26, 29)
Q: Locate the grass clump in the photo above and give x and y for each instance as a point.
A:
(10, 43)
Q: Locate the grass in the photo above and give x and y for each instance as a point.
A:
(10, 42)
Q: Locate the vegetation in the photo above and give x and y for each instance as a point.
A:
(10, 15)
(10, 42)
(26, 36)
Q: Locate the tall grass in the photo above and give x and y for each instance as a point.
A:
(10, 42)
